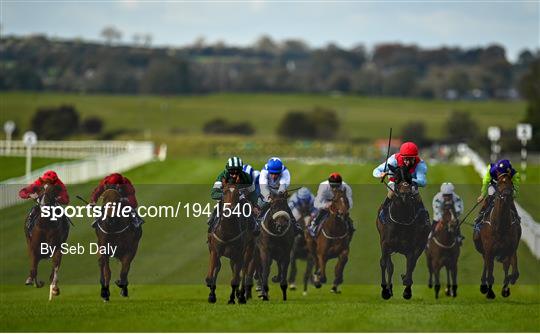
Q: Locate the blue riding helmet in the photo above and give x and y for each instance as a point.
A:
(304, 194)
(274, 165)
(502, 166)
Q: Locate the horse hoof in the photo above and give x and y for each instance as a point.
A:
(505, 292)
(39, 284)
(448, 292)
(292, 286)
(335, 290)
(275, 279)
(385, 294)
(490, 294)
(323, 280)
(483, 289)
(212, 299)
(55, 291)
(105, 299)
(265, 298)
(124, 292)
(430, 285)
(241, 300)
(231, 302)
(29, 281)
(407, 294)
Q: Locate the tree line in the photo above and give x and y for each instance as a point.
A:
(40, 63)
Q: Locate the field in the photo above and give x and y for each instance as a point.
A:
(169, 117)
(168, 293)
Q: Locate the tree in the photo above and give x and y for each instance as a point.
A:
(460, 127)
(111, 34)
(166, 76)
(296, 124)
(92, 125)
(415, 132)
(55, 122)
(530, 90)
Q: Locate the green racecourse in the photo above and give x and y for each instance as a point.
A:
(361, 117)
(167, 292)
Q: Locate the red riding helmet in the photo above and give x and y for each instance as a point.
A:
(115, 178)
(50, 176)
(408, 149)
(335, 179)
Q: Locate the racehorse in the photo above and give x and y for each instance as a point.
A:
(443, 250)
(404, 229)
(499, 238)
(228, 238)
(332, 241)
(116, 231)
(50, 232)
(275, 243)
(301, 251)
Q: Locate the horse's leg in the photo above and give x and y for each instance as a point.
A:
(56, 260)
(490, 279)
(505, 289)
(430, 270)
(437, 286)
(448, 290)
(454, 278)
(390, 272)
(338, 271)
(515, 272)
(236, 266)
(211, 276)
(284, 267)
(122, 283)
(483, 283)
(307, 274)
(32, 277)
(266, 261)
(105, 276)
(292, 274)
(385, 292)
(412, 257)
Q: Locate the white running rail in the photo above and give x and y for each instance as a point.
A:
(99, 158)
(530, 228)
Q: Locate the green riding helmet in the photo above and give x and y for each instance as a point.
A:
(234, 163)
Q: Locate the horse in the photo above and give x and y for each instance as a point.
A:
(405, 231)
(332, 241)
(300, 250)
(117, 232)
(443, 250)
(499, 237)
(275, 243)
(46, 231)
(229, 238)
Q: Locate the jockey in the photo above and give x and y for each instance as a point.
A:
(254, 174)
(233, 171)
(274, 179)
(325, 194)
(126, 189)
(32, 191)
(301, 202)
(447, 192)
(407, 156)
(489, 186)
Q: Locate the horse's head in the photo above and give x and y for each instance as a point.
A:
(111, 195)
(48, 194)
(403, 181)
(231, 193)
(505, 187)
(340, 203)
(449, 221)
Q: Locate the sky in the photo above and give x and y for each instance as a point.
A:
(512, 24)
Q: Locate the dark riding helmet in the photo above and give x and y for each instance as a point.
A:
(335, 180)
(234, 164)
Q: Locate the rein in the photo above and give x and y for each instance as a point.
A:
(275, 216)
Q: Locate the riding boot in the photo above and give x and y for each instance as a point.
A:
(210, 221)
(316, 221)
(296, 225)
(384, 208)
(254, 226)
(459, 237)
(32, 218)
(433, 224)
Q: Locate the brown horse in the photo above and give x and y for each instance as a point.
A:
(405, 231)
(332, 241)
(119, 233)
(50, 232)
(499, 238)
(229, 238)
(275, 243)
(443, 250)
(300, 250)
